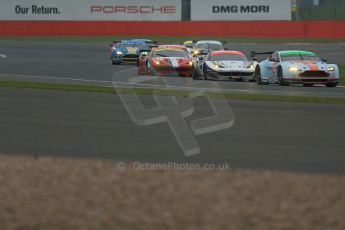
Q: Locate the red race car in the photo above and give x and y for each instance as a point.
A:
(165, 61)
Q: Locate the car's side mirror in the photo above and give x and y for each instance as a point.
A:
(324, 60)
(272, 59)
(201, 58)
(254, 59)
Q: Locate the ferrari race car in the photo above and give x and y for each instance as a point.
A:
(204, 47)
(128, 50)
(165, 61)
(296, 67)
(224, 65)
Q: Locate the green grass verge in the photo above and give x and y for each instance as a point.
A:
(162, 39)
(145, 91)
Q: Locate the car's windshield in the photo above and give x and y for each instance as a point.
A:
(170, 53)
(209, 46)
(300, 57)
(228, 57)
(311, 58)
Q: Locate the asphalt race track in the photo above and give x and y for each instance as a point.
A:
(89, 64)
(265, 135)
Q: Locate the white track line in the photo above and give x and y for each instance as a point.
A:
(132, 84)
(121, 83)
(3, 56)
(55, 78)
(298, 43)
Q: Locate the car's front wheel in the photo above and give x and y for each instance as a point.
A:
(281, 80)
(331, 84)
(204, 70)
(196, 75)
(257, 76)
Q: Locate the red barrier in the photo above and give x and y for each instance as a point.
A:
(269, 29)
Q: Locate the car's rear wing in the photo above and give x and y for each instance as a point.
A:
(253, 53)
(147, 51)
(151, 42)
(153, 46)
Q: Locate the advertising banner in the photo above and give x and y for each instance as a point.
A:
(91, 10)
(240, 10)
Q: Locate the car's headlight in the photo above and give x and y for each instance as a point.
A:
(119, 52)
(190, 63)
(196, 52)
(251, 66)
(294, 69)
(157, 62)
(217, 65)
(330, 69)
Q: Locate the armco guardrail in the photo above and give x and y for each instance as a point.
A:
(262, 29)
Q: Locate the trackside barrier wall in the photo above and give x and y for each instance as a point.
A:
(259, 29)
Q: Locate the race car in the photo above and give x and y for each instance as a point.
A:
(128, 51)
(205, 46)
(224, 65)
(296, 67)
(166, 61)
(190, 45)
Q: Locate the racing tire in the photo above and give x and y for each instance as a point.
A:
(205, 73)
(196, 75)
(331, 84)
(150, 70)
(280, 77)
(257, 76)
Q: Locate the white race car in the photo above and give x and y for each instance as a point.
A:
(224, 65)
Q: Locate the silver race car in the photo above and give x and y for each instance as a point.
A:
(205, 46)
(296, 67)
(224, 65)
